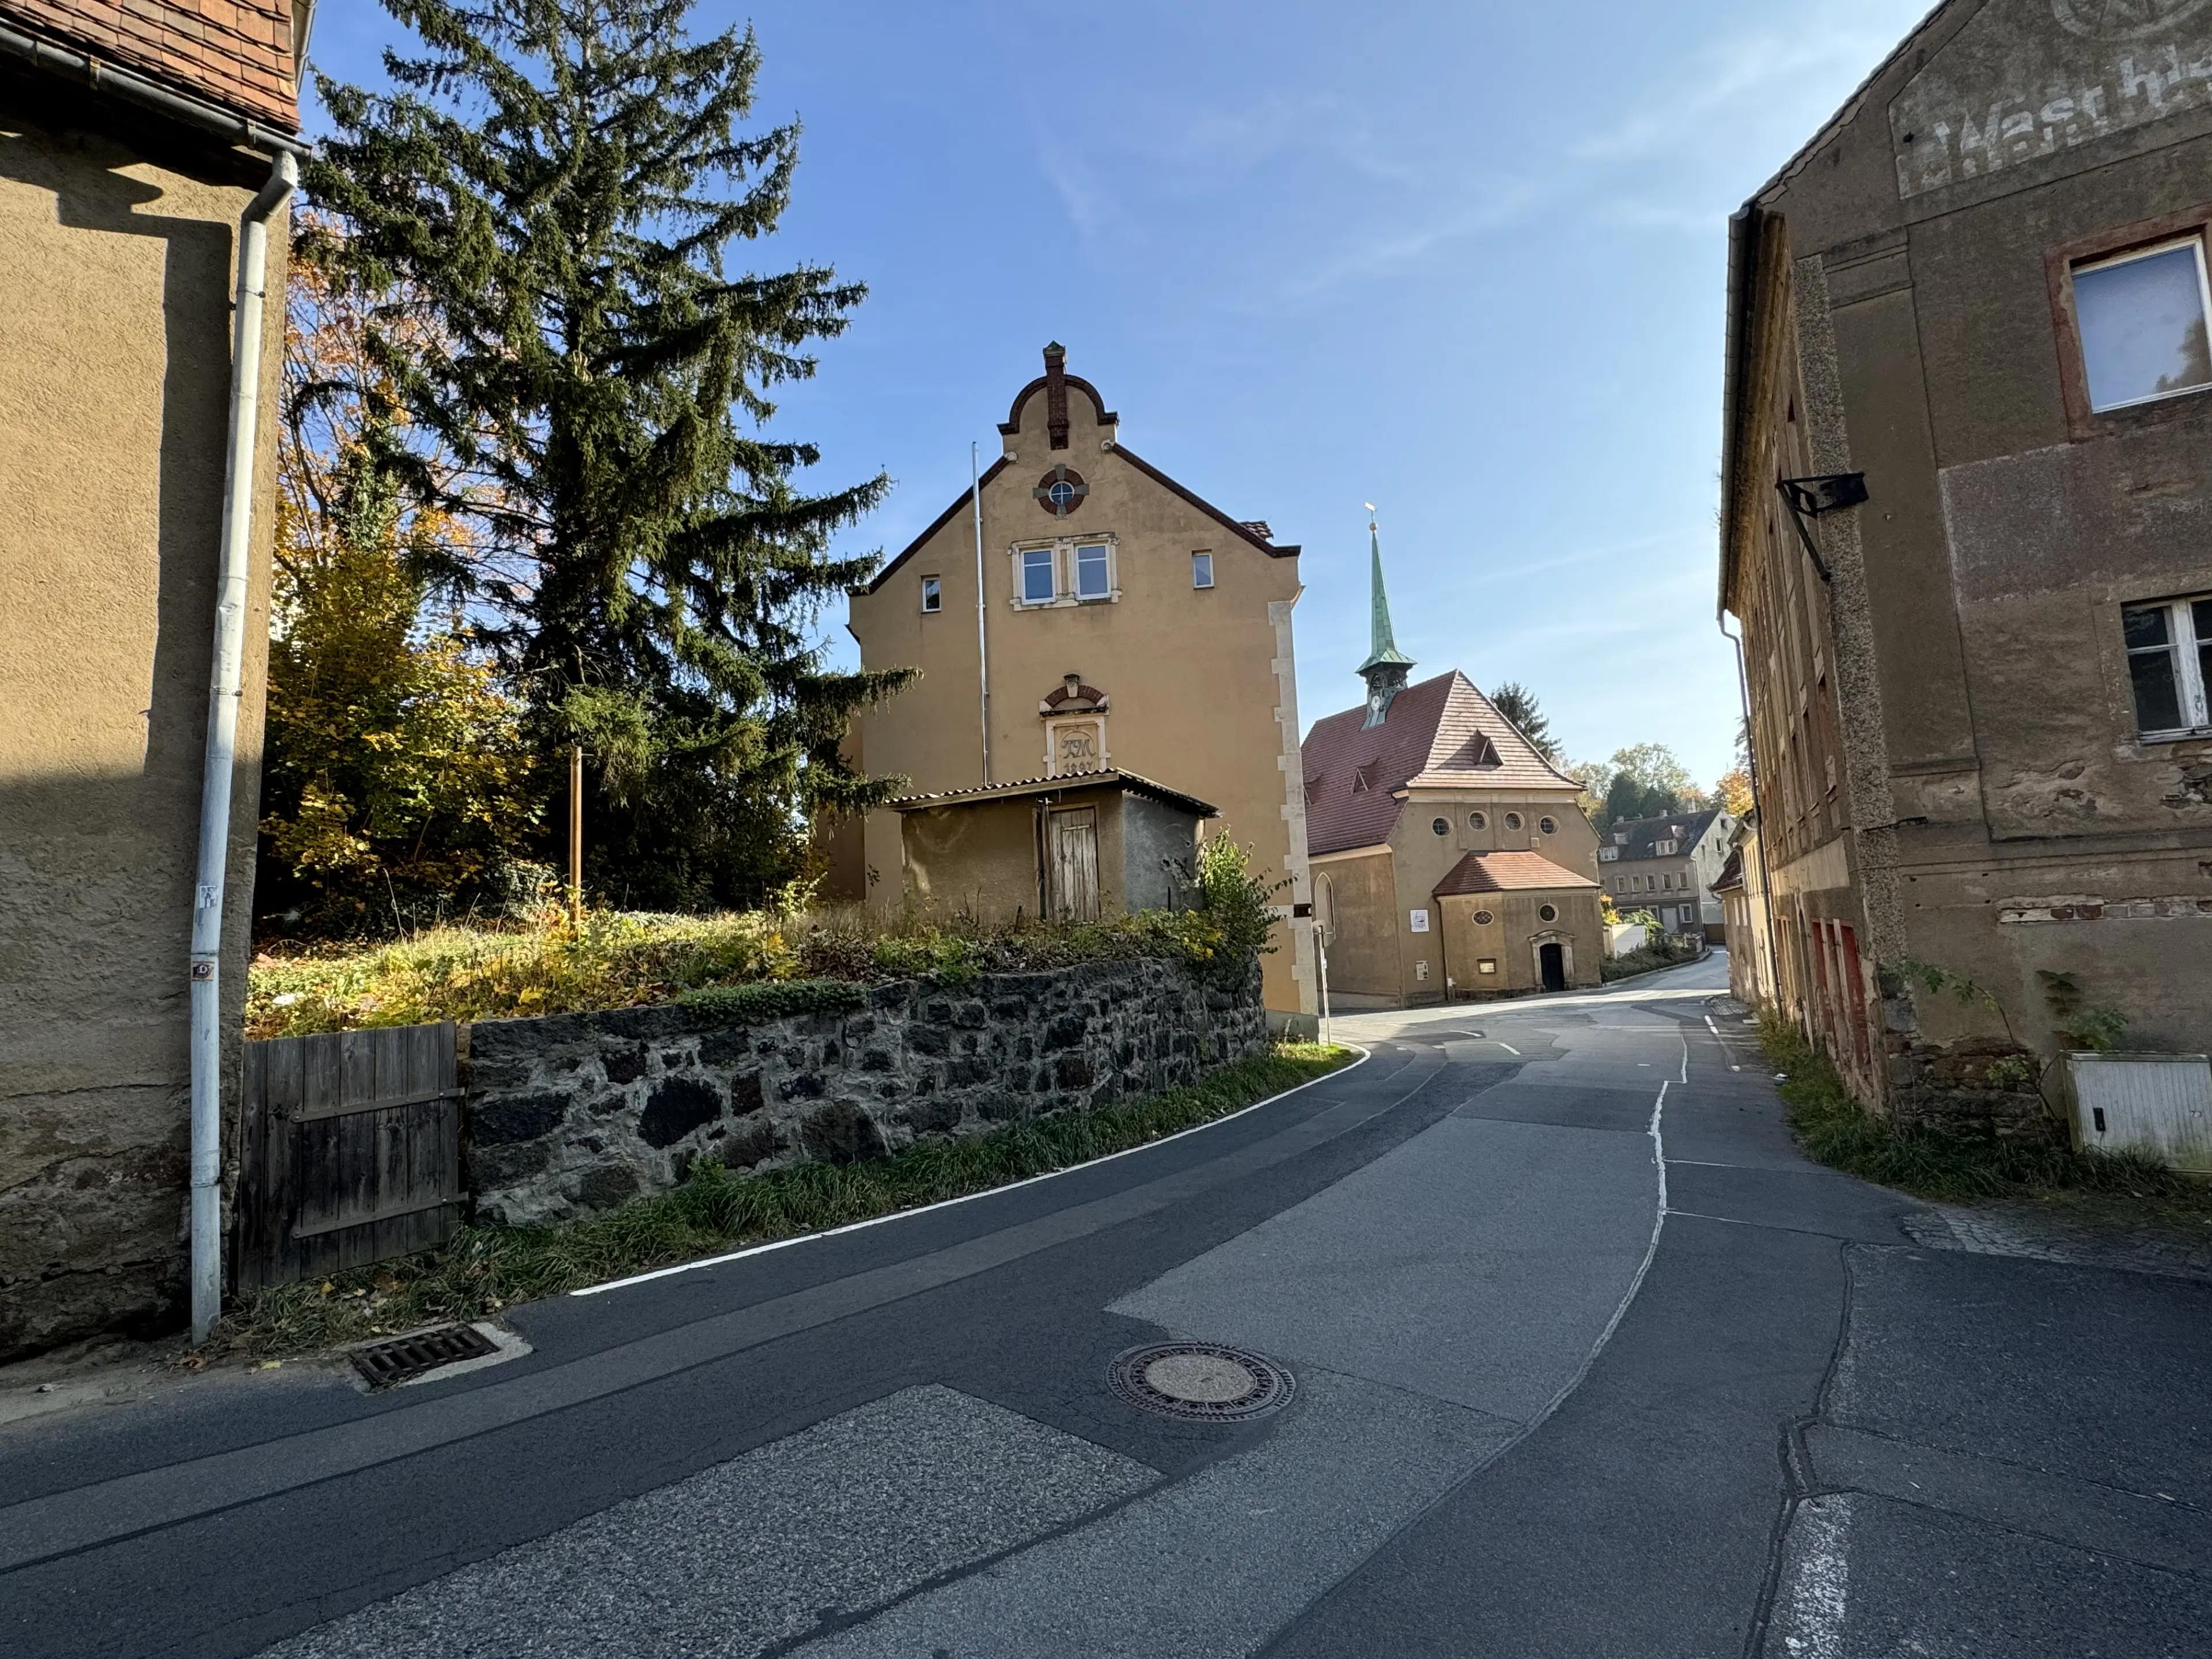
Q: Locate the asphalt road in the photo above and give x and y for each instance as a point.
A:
(1587, 1361)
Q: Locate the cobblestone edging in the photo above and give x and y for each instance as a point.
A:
(2034, 1233)
(578, 1112)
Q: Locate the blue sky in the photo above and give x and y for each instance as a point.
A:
(1463, 260)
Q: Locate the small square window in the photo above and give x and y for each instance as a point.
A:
(1037, 585)
(2143, 319)
(1201, 570)
(933, 594)
(1091, 580)
(2169, 664)
(1486, 964)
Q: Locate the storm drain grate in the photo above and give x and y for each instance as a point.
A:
(1202, 1381)
(387, 1363)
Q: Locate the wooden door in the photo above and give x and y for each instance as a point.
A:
(1075, 864)
(352, 1150)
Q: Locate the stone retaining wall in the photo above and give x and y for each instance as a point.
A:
(578, 1112)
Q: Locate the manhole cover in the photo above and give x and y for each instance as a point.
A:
(387, 1363)
(1203, 1382)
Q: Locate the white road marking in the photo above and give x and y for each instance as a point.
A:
(1508, 1049)
(1819, 1579)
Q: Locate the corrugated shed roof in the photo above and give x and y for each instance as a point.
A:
(237, 53)
(1507, 873)
(1441, 733)
(1683, 829)
(1133, 783)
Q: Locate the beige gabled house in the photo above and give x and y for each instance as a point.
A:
(143, 155)
(1082, 612)
(1451, 860)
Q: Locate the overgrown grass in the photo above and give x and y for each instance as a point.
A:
(1951, 1167)
(484, 1269)
(622, 960)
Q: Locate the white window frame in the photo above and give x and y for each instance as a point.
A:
(1201, 569)
(1064, 571)
(2195, 241)
(932, 595)
(1608, 854)
(2183, 645)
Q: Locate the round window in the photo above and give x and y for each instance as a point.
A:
(1512, 820)
(1549, 826)
(1483, 918)
(1478, 821)
(1548, 912)
(1442, 826)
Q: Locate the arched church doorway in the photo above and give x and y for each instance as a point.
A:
(1552, 960)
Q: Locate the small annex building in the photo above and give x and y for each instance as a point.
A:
(1077, 847)
(1450, 857)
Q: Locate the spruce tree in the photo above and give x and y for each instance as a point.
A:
(1518, 704)
(558, 183)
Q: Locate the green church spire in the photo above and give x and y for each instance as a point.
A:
(1384, 671)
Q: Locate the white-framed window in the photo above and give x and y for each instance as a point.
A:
(1512, 820)
(1478, 821)
(1201, 569)
(1072, 570)
(1419, 923)
(932, 593)
(2143, 317)
(1040, 573)
(1608, 854)
(1094, 577)
(2170, 664)
(1663, 849)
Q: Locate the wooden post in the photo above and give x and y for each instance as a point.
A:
(576, 835)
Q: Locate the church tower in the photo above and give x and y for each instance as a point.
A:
(1384, 671)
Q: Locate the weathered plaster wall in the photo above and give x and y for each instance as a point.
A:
(1510, 936)
(2003, 816)
(115, 280)
(1154, 834)
(1357, 895)
(980, 860)
(579, 1112)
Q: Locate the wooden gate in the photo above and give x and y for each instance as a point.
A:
(352, 1151)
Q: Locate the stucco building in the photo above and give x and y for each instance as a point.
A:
(1742, 889)
(1450, 857)
(1967, 528)
(139, 141)
(1082, 611)
(1668, 866)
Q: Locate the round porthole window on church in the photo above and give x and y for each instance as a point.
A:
(1549, 826)
(1547, 912)
(1478, 821)
(1483, 918)
(1442, 826)
(1512, 820)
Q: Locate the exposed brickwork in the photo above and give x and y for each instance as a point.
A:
(237, 53)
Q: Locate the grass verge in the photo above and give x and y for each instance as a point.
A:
(483, 1270)
(1949, 1168)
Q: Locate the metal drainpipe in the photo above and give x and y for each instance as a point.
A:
(225, 687)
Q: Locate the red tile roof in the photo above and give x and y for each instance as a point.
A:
(1507, 873)
(236, 53)
(1441, 733)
